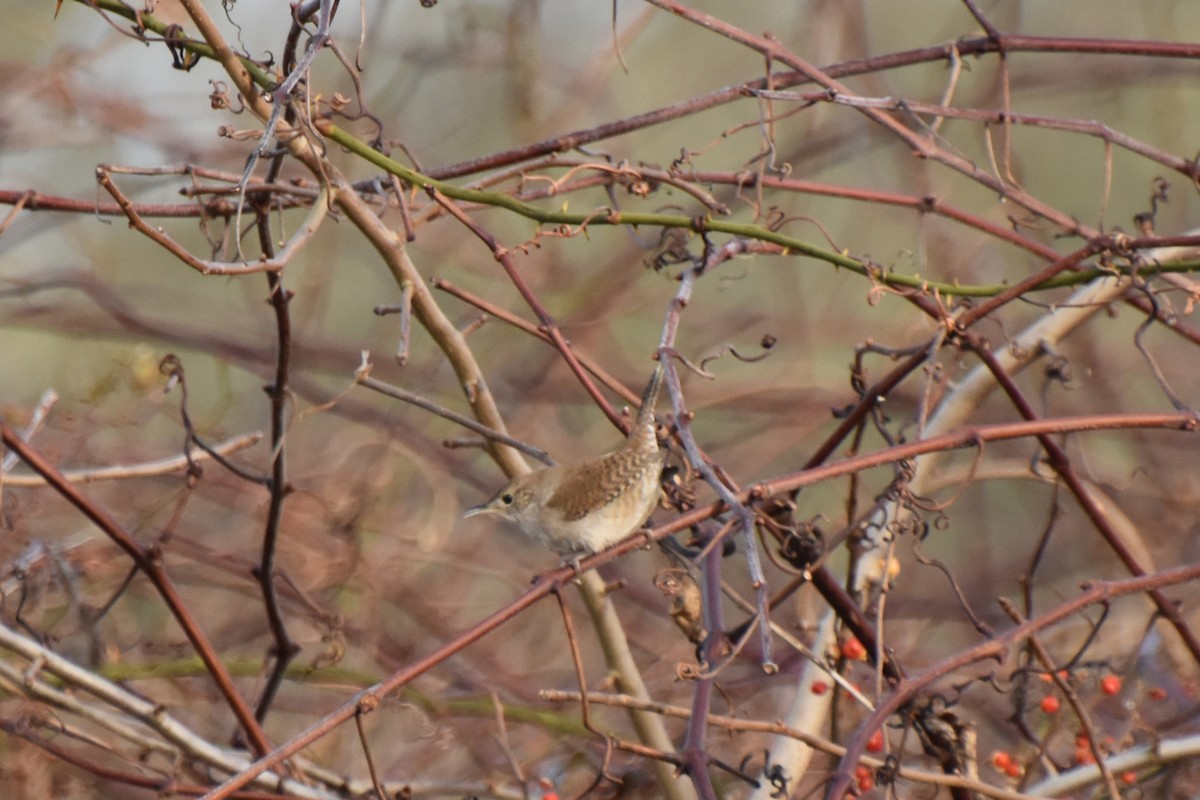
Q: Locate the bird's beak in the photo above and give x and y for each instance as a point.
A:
(482, 508)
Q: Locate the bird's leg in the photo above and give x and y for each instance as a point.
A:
(573, 562)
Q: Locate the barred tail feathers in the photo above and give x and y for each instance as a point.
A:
(644, 423)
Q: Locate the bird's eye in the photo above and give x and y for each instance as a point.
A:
(506, 498)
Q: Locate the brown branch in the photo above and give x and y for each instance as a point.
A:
(1060, 462)
(278, 392)
(975, 46)
(589, 363)
(547, 322)
(148, 559)
(995, 649)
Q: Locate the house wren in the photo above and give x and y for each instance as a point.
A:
(585, 507)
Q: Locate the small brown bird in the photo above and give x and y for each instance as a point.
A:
(585, 507)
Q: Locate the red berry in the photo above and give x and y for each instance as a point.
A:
(1013, 770)
(1050, 704)
(853, 649)
(820, 687)
(875, 743)
(1158, 693)
(1129, 778)
(864, 777)
(1001, 760)
(1110, 685)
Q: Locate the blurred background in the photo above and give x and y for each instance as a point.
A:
(378, 568)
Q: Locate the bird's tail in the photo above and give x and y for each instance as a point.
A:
(645, 415)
